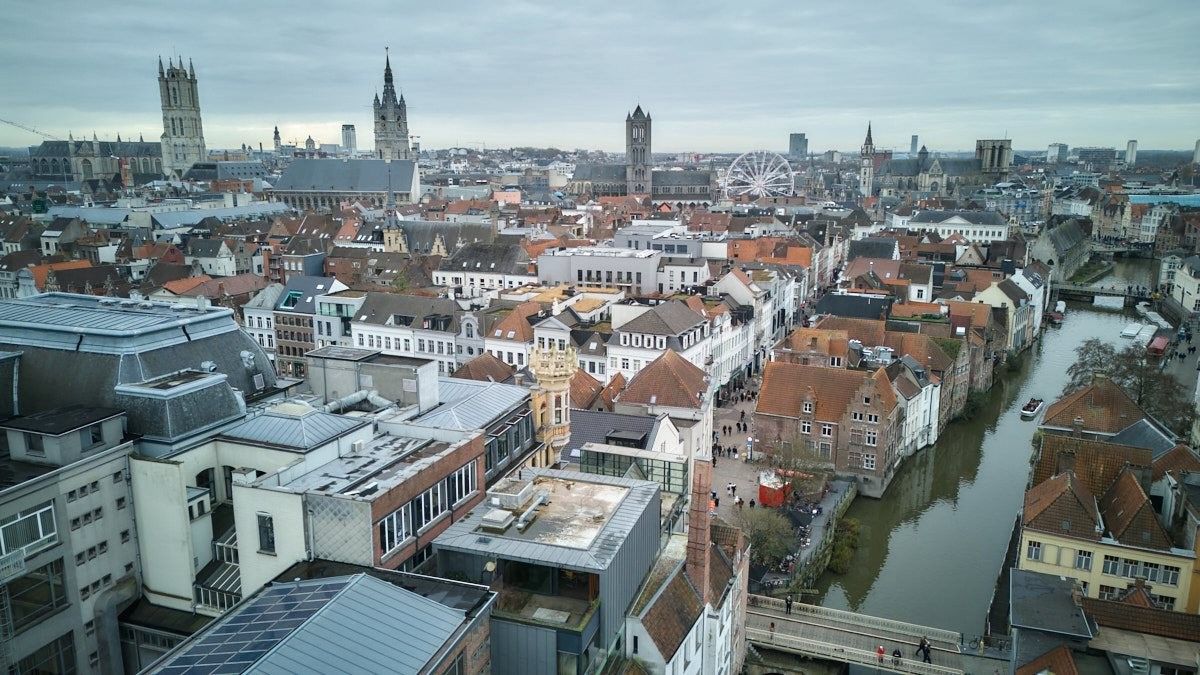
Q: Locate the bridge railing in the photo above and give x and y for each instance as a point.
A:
(811, 647)
(841, 616)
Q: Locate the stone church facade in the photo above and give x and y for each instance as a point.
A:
(183, 132)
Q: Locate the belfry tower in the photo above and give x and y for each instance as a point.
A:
(391, 119)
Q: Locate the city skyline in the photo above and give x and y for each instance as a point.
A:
(534, 75)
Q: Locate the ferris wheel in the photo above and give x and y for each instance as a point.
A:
(760, 173)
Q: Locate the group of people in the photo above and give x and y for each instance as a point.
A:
(923, 651)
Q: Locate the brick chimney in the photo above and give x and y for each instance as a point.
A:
(1077, 427)
(699, 533)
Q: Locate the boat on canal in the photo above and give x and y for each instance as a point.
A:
(1031, 409)
(1132, 330)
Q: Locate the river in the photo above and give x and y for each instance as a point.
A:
(930, 550)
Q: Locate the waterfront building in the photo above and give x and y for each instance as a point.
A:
(1105, 542)
(1102, 410)
(852, 423)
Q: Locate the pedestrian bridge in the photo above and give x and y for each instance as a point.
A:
(836, 635)
(1082, 291)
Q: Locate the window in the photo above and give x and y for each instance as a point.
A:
(856, 416)
(461, 484)
(868, 462)
(56, 657)
(395, 528)
(427, 507)
(1108, 592)
(34, 445)
(826, 429)
(1083, 560)
(1034, 551)
(37, 594)
(873, 419)
(124, 536)
(266, 533)
(31, 530)
(1112, 565)
(826, 450)
(872, 437)
(808, 407)
(95, 435)
(805, 427)
(835, 361)
(118, 476)
(121, 503)
(1170, 575)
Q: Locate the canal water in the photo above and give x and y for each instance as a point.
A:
(930, 550)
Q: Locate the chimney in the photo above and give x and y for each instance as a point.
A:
(699, 527)
(1077, 427)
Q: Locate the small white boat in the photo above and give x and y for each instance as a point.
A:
(1142, 308)
(1031, 409)
(1061, 306)
(1131, 331)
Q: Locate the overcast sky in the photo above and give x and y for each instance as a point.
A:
(719, 76)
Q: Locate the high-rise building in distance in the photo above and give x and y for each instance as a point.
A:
(912, 147)
(797, 146)
(349, 143)
(1056, 153)
(1131, 153)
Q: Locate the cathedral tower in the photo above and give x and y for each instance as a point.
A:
(276, 139)
(866, 171)
(183, 133)
(638, 164)
(391, 120)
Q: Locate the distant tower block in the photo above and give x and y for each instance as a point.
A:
(349, 143)
(912, 146)
(1131, 153)
(554, 368)
(1196, 153)
(798, 146)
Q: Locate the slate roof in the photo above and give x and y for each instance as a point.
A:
(973, 217)
(295, 427)
(1044, 602)
(347, 175)
(308, 289)
(854, 305)
(421, 234)
(872, 247)
(669, 319)
(599, 173)
(1066, 236)
(385, 309)
(339, 624)
(266, 298)
(592, 426)
(685, 178)
(205, 248)
(669, 380)
(1144, 433)
(1104, 407)
(58, 421)
(486, 257)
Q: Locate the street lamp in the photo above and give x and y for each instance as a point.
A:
(750, 440)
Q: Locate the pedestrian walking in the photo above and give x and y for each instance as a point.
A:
(738, 501)
(787, 605)
(772, 631)
(923, 650)
(879, 653)
(896, 656)
(733, 489)
(751, 503)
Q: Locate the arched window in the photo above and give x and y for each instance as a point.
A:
(54, 165)
(85, 167)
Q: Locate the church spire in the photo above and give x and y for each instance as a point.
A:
(160, 67)
(387, 67)
(868, 141)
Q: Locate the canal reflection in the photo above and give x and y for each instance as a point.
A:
(930, 550)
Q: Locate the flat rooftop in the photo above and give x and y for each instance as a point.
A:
(603, 252)
(100, 315)
(580, 525)
(382, 464)
(61, 420)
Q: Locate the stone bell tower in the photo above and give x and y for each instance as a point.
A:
(553, 368)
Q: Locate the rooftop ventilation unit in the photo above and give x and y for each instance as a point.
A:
(497, 520)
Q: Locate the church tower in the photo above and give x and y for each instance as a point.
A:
(866, 172)
(278, 141)
(183, 133)
(391, 120)
(638, 164)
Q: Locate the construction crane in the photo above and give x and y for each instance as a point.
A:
(30, 129)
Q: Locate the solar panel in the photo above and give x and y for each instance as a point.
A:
(253, 630)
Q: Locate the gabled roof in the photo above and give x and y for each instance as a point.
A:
(295, 427)
(1145, 620)
(669, 380)
(1144, 433)
(872, 247)
(1176, 461)
(584, 390)
(1057, 661)
(595, 426)
(485, 368)
(673, 614)
(301, 291)
(1058, 505)
(1103, 406)
(1096, 463)
(669, 319)
(786, 386)
(1129, 516)
(515, 325)
(206, 248)
(467, 404)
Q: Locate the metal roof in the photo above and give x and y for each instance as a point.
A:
(294, 426)
(468, 404)
(354, 624)
(347, 175)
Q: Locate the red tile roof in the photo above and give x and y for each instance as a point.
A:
(673, 614)
(1096, 463)
(1130, 517)
(1057, 661)
(669, 380)
(1102, 405)
(584, 389)
(484, 368)
(786, 386)
(1176, 461)
(1147, 620)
